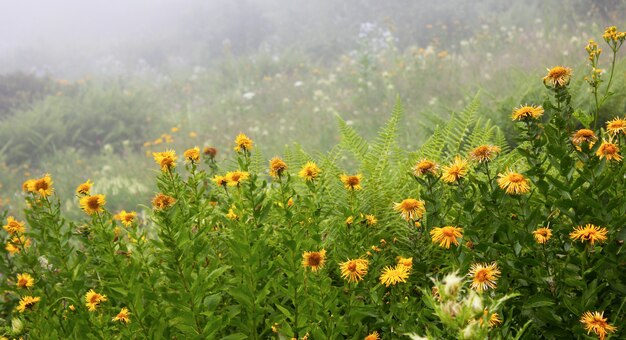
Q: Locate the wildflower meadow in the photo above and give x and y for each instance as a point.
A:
(478, 232)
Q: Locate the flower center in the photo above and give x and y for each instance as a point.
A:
(93, 203)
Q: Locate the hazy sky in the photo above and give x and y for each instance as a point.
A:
(27, 23)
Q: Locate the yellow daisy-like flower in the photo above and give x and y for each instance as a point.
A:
(27, 185)
(558, 76)
(314, 259)
(192, 155)
(15, 245)
(93, 204)
(616, 126)
(609, 150)
(494, 319)
(484, 276)
(309, 171)
(166, 159)
(372, 336)
(84, 188)
(277, 167)
(14, 226)
(596, 322)
(162, 201)
(243, 143)
(352, 182)
(42, 186)
(455, 171)
(584, 137)
(349, 220)
(484, 153)
(234, 178)
(446, 236)
(123, 316)
(405, 261)
(220, 181)
(93, 300)
(370, 220)
(24, 280)
(12, 248)
(542, 235)
(410, 209)
(27, 302)
(527, 112)
(394, 275)
(425, 167)
(127, 218)
(590, 233)
(354, 270)
(513, 183)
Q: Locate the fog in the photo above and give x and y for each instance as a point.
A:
(70, 37)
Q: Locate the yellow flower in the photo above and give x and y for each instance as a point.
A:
(455, 171)
(92, 204)
(127, 218)
(446, 236)
(590, 232)
(277, 167)
(612, 35)
(352, 182)
(609, 150)
(484, 153)
(243, 143)
(597, 323)
(15, 245)
(309, 171)
(372, 336)
(24, 280)
(410, 209)
(220, 181)
(616, 126)
(584, 137)
(192, 155)
(27, 302)
(234, 178)
(425, 167)
(494, 319)
(84, 188)
(370, 220)
(27, 185)
(354, 270)
(231, 214)
(527, 112)
(42, 186)
(394, 275)
(166, 159)
(123, 316)
(14, 226)
(314, 259)
(93, 300)
(542, 235)
(349, 220)
(405, 261)
(513, 183)
(484, 276)
(558, 76)
(162, 201)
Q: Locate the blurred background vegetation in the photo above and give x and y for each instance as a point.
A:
(280, 71)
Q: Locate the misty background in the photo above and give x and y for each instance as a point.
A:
(69, 38)
(89, 89)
